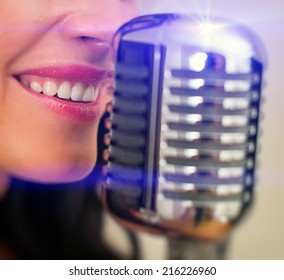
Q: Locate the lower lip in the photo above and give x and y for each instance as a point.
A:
(84, 112)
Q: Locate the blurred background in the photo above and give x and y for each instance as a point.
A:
(261, 233)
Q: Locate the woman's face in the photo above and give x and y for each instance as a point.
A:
(55, 81)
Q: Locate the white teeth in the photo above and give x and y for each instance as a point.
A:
(49, 88)
(77, 92)
(36, 87)
(90, 94)
(64, 91)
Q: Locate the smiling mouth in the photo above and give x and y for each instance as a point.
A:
(72, 91)
(71, 83)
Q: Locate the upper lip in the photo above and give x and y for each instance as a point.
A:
(85, 74)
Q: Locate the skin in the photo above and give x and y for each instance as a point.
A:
(36, 143)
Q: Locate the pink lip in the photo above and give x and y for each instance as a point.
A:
(78, 111)
(72, 73)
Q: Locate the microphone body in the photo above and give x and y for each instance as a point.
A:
(184, 125)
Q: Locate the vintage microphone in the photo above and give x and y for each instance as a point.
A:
(184, 125)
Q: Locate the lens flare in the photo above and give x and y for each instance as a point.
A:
(207, 28)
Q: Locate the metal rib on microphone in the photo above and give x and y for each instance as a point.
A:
(184, 125)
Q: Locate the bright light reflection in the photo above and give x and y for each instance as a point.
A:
(207, 28)
(197, 62)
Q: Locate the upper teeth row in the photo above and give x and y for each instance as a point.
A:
(78, 92)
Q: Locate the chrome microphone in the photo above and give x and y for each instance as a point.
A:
(184, 125)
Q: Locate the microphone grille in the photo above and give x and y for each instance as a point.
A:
(209, 127)
(130, 119)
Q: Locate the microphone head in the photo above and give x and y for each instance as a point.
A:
(184, 125)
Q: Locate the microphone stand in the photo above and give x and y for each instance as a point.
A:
(195, 249)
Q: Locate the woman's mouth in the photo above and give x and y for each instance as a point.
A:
(61, 89)
(73, 91)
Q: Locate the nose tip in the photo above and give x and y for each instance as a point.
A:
(92, 34)
(88, 28)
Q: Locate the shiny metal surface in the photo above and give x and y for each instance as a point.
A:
(185, 125)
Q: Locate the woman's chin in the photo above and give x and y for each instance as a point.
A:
(55, 174)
